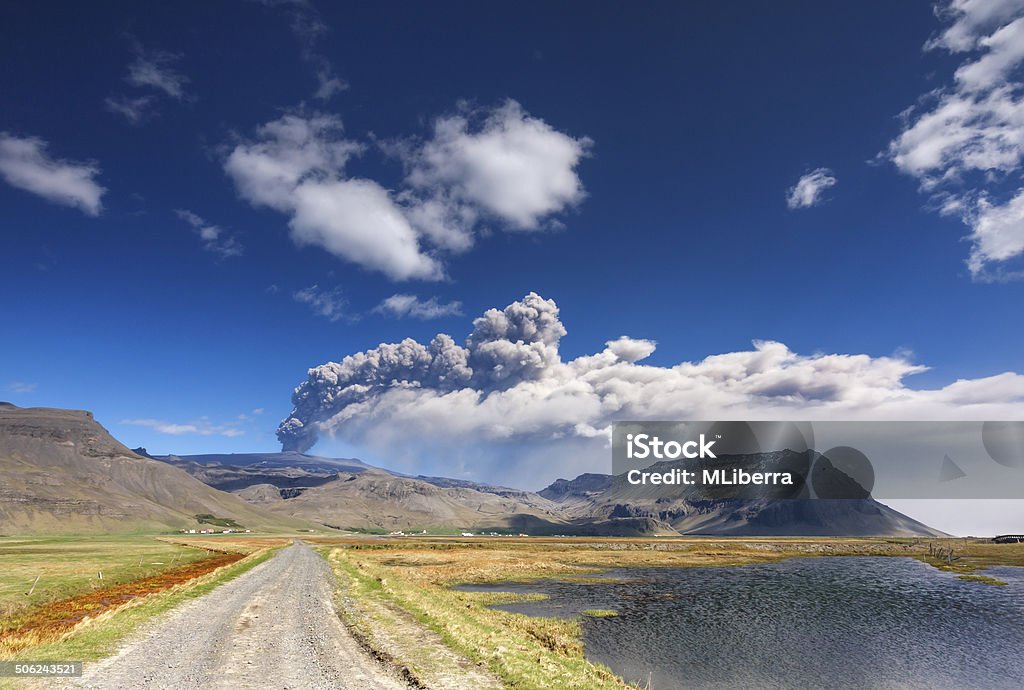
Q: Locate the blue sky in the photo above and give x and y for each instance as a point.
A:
(684, 128)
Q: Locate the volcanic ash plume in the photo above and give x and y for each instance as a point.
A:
(506, 347)
(507, 384)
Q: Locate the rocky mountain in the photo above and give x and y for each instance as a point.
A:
(690, 510)
(349, 494)
(585, 486)
(62, 472)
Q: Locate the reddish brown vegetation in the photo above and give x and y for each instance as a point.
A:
(54, 619)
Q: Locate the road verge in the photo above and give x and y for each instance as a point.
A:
(95, 636)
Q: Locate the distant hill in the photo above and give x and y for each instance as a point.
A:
(62, 472)
(376, 499)
(350, 494)
(284, 460)
(235, 471)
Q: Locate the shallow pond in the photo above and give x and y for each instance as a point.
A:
(848, 622)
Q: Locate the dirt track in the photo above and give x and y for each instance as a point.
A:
(273, 627)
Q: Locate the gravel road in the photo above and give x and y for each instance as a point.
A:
(273, 627)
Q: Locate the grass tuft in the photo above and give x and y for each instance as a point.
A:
(984, 579)
(600, 613)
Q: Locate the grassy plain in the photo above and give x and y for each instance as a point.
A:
(394, 592)
(67, 566)
(74, 614)
(968, 557)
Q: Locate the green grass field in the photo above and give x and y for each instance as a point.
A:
(67, 566)
(100, 637)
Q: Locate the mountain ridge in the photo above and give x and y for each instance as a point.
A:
(378, 499)
(62, 472)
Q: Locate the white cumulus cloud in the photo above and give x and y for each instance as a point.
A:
(358, 220)
(998, 232)
(809, 190)
(26, 164)
(297, 166)
(286, 152)
(970, 20)
(962, 142)
(505, 166)
(512, 166)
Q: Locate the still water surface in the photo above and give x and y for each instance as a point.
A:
(845, 622)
